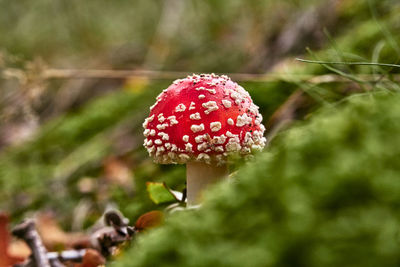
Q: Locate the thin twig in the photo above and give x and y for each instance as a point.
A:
(123, 74)
(108, 239)
(240, 77)
(55, 258)
(27, 232)
(67, 255)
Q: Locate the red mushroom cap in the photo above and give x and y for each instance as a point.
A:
(202, 118)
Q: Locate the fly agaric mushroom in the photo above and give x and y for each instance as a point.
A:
(199, 121)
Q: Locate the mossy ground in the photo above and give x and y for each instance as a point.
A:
(325, 193)
(74, 145)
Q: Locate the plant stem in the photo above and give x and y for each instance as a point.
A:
(199, 176)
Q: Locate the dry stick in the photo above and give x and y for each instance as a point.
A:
(169, 75)
(123, 74)
(55, 258)
(27, 232)
(28, 263)
(115, 219)
(67, 255)
(162, 75)
(120, 233)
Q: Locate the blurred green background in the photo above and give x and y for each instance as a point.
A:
(73, 145)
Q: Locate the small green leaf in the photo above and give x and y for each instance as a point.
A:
(159, 193)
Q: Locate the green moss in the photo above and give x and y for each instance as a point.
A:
(326, 193)
(65, 148)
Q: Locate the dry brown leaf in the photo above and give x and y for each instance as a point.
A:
(118, 172)
(148, 220)
(92, 258)
(4, 240)
(7, 259)
(54, 237)
(19, 249)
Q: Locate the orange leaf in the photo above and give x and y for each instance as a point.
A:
(92, 258)
(149, 220)
(4, 240)
(5, 258)
(118, 172)
(54, 237)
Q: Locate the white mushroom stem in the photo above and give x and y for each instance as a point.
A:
(199, 176)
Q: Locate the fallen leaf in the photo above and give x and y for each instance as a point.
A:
(149, 220)
(19, 249)
(6, 259)
(54, 238)
(92, 258)
(160, 193)
(118, 172)
(4, 240)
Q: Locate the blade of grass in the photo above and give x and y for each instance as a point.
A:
(348, 63)
(337, 71)
(385, 31)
